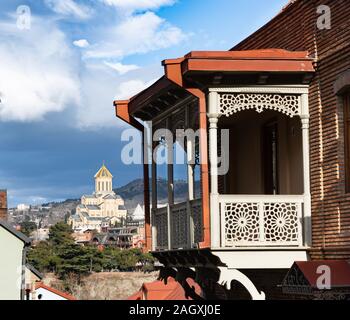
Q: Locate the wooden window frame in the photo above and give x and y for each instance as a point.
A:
(346, 108)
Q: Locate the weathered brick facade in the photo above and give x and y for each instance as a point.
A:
(3, 204)
(295, 28)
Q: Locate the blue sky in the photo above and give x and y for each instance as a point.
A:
(58, 80)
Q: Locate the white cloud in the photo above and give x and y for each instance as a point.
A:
(42, 73)
(38, 72)
(101, 85)
(69, 8)
(137, 34)
(82, 43)
(134, 5)
(121, 68)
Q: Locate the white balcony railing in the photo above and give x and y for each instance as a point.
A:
(262, 220)
(246, 221)
(185, 225)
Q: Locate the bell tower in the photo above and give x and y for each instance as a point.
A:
(103, 181)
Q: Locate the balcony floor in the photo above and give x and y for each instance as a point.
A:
(261, 258)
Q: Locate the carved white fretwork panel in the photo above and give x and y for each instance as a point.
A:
(281, 222)
(261, 220)
(161, 224)
(241, 222)
(231, 103)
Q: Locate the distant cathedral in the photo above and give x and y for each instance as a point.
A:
(101, 209)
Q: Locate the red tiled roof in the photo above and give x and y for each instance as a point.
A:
(136, 296)
(340, 271)
(157, 290)
(55, 291)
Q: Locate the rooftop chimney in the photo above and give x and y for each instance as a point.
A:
(3, 205)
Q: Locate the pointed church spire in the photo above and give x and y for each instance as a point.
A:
(103, 172)
(103, 180)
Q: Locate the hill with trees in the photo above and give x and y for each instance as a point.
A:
(66, 259)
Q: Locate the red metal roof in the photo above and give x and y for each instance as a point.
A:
(157, 290)
(340, 271)
(55, 291)
(263, 60)
(268, 54)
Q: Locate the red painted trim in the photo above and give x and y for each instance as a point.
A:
(122, 112)
(268, 54)
(55, 291)
(174, 73)
(250, 65)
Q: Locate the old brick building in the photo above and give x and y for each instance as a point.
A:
(295, 28)
(3, 204)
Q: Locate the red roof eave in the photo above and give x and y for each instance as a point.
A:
(250, 65)
(55, 291)
(340, 271)
(262, 60)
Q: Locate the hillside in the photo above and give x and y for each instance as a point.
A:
(103, 285)
(132, 193)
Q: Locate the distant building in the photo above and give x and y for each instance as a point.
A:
(3, 205)
(123, 238)
(35, 289)
(41, 234)
(102, 208)
(139, 214)
(84, 237)
(23, 207)
(32, 277)
(43, 292)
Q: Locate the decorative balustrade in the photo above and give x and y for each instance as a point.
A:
(197, 220)
(160, 222)
(246, 221)
(186, 227)
(261, 220)
(180, 225)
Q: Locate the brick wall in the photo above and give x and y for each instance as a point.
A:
(296, 29)
(3, 204)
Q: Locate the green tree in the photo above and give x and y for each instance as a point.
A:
(27, 227)
(74, 260)
(61, 233)
(42, 257)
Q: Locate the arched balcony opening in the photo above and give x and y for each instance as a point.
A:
(259, 163)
